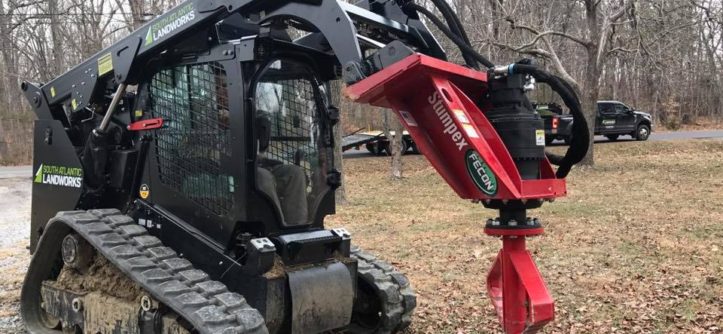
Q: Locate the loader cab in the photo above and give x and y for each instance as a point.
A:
(247, 143)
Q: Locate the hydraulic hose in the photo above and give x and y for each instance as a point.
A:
(580, 130)
(459, 41)
(455, 25)
(452, 19)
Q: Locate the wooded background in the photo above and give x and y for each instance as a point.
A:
(660, 56)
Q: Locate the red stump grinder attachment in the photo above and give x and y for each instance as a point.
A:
(445, 108)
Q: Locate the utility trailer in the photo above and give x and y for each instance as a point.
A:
(377, 143)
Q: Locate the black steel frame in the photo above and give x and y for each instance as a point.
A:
(337, 28)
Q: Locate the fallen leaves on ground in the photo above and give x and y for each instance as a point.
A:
(634, 248)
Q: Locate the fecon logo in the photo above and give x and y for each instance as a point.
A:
(59, 176)
(481, 173)
(447, 122)
(170, 23)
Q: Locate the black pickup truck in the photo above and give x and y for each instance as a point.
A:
(614, 119)
(558, 125)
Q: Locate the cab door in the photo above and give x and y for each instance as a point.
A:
(606, 118)
(192, 168)
(293, 149)
(625, 118)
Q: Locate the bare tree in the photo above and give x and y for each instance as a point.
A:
(139, 12)
(663, 56)
(57, 64)
(15, 131)
(394, 131)
(335, 92)
(595, 37)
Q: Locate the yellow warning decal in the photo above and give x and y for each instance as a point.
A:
(145, 191)
(74, 104)
(461, 116)
(139, 113)
(540, 137)
(471, 132)
(52, 92)
(105, 64)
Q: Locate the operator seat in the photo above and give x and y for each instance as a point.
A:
(284, 184)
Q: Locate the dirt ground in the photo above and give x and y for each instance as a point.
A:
(637, 247)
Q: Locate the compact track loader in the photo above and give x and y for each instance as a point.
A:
(183, 174)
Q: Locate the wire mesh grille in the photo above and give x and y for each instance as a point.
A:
(193, 99)
(290, 106)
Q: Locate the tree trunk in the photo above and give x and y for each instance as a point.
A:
(57, 64)
(335, 98)
(589, 102)
(592, 77)
(397, 145)
(138, 12)
(393, 130)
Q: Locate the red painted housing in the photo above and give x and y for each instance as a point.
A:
(437, 102)
(517, 290)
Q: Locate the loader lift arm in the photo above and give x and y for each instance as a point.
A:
(334, 26)
(477, 129)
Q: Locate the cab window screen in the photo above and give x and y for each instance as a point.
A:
(292, 158)
(193, 101)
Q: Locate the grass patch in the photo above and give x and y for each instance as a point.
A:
(636, 247)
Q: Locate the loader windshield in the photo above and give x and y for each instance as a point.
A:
(292, 161)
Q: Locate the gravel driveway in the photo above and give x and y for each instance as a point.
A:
(14, 257)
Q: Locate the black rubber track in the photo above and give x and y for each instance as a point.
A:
(207, 305)
(392, 288)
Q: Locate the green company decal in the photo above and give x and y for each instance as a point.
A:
(59, 176)
(481, 173)
(170, 23)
